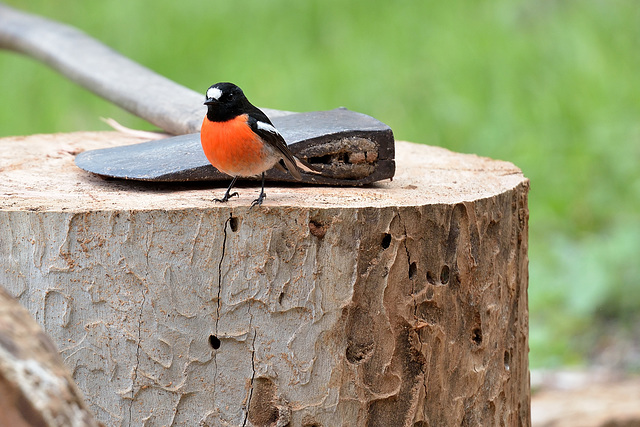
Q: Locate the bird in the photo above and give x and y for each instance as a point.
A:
(239, 140)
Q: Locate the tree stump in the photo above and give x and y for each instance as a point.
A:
(399, 304)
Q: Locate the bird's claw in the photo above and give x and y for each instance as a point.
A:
(226, 197)
(259, 200)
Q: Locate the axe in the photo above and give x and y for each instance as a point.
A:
(346, 147)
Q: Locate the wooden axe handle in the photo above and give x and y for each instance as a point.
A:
(98, 68)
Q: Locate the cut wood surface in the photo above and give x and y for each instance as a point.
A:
(401, 303)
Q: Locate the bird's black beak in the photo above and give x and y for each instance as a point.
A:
(210, 101)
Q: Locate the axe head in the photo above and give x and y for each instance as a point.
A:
(347, 148)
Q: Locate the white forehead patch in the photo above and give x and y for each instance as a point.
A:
(267, 127)
(214, 93)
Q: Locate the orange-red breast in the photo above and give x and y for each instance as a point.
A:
(240, 140)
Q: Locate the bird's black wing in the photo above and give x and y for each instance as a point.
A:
(262, 126)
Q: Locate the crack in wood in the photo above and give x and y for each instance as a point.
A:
(135, 368)
(215, 353)
(224, 246)
(253, 368)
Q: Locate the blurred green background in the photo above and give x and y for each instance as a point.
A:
(552, 86)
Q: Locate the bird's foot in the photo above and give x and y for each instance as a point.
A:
(260, 199)
(226, 197)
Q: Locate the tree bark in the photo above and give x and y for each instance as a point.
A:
(399, 304)
(36, 389)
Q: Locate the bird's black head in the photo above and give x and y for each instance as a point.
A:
(224, 101)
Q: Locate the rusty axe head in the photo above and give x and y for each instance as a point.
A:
(347, 148)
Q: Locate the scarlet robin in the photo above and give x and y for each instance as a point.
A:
(240, 140)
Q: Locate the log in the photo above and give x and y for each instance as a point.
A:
(36, 389)
(399, 304)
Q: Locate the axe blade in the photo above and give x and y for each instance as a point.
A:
(346, 147)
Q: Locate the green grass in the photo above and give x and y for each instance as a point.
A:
(551, 86)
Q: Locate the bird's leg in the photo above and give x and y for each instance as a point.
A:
(262, 195)
(228, 195)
